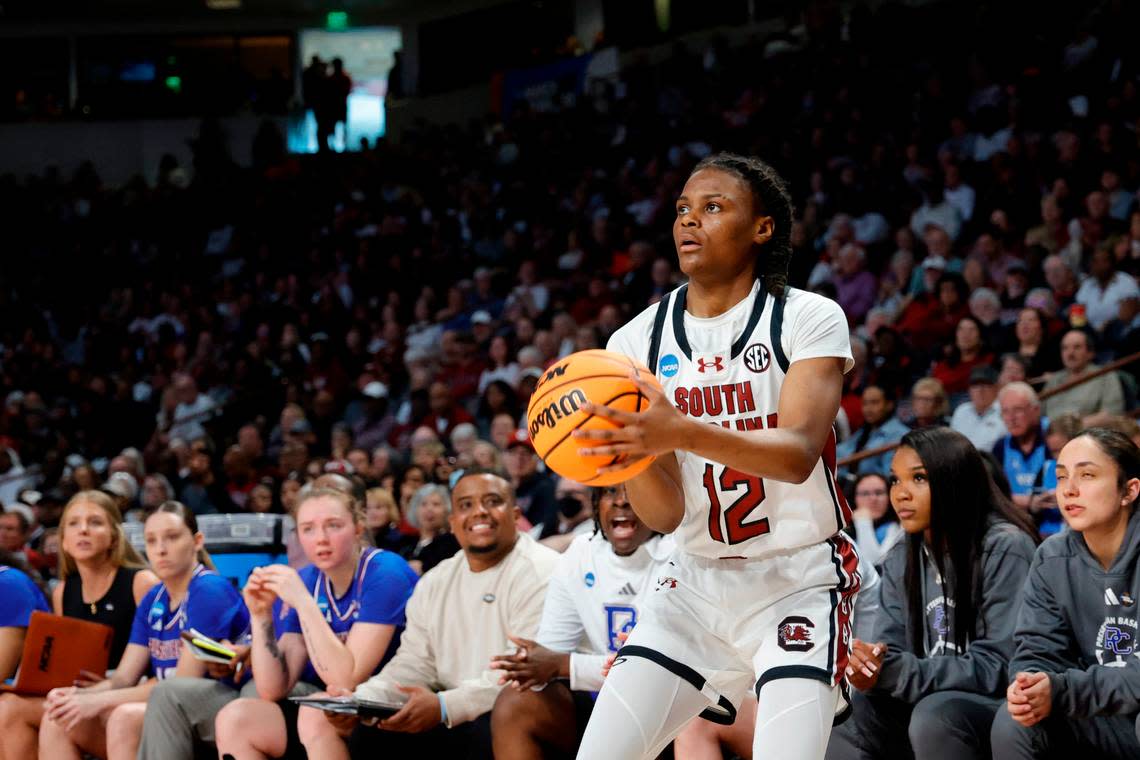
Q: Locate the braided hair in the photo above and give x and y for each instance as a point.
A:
(770, 197)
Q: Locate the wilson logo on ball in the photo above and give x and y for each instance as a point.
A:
(547, 417)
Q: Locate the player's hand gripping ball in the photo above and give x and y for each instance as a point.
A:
(555, 412)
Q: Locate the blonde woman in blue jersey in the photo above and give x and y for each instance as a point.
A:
(759, 594)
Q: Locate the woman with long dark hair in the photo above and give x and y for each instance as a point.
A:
(1075, 684)
(930, 685)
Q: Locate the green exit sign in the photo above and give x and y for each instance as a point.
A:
(337, 21)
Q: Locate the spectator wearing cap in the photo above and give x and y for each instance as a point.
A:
(1016, 287)
(980, 418)
(482, 329)
(534, 490)
(376, 423)
(880, 427)
(1104, 289)
(1100, 396)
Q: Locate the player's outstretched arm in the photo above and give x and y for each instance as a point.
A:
(809, 401)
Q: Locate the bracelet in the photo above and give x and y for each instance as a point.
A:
(442, 708)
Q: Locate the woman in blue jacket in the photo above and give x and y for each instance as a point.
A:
(1074, 680)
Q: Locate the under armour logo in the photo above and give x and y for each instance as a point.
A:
(717, 364)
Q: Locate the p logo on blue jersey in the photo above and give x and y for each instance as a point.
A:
(669, 365)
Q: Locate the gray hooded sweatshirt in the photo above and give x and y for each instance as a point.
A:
(1006, 555)
(1078, 624)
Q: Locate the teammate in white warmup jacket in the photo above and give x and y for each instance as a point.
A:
(759, 593)
(594, 597)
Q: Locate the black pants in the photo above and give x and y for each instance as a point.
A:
(467, 741)
(1112, 737)
(946, 725)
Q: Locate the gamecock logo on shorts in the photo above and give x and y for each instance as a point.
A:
(794, 634)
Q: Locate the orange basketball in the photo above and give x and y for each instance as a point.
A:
(602, 377)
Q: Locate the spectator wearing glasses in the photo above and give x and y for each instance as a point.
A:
(876, 524)
(1023, 453)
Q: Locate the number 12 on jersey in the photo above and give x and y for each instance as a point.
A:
(735, 529)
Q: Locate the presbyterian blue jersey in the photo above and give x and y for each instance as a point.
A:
(380, 589)
(21, 597)
(211, 606)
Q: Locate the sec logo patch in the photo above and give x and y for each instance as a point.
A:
(757, 357)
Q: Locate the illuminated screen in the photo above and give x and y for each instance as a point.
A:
(367, 55)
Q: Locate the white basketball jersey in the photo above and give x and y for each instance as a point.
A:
(593, 596)
(728, 370)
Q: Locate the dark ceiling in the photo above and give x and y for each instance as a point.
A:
(132, 11)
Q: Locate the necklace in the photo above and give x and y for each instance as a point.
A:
(94, 605)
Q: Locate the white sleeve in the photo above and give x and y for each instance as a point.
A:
(561, 626)
(620, 342)
(586, 671)
(817, 329)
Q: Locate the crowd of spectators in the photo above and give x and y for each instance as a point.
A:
(224, 335)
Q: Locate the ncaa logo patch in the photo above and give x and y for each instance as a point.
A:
(757, 357)
(589, 579)
(669, 365)
(794, 634)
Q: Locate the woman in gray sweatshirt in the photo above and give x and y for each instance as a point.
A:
(929, 685)
(1075, 675)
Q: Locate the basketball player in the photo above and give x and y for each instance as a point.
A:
(759, 593)
(593, 598)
